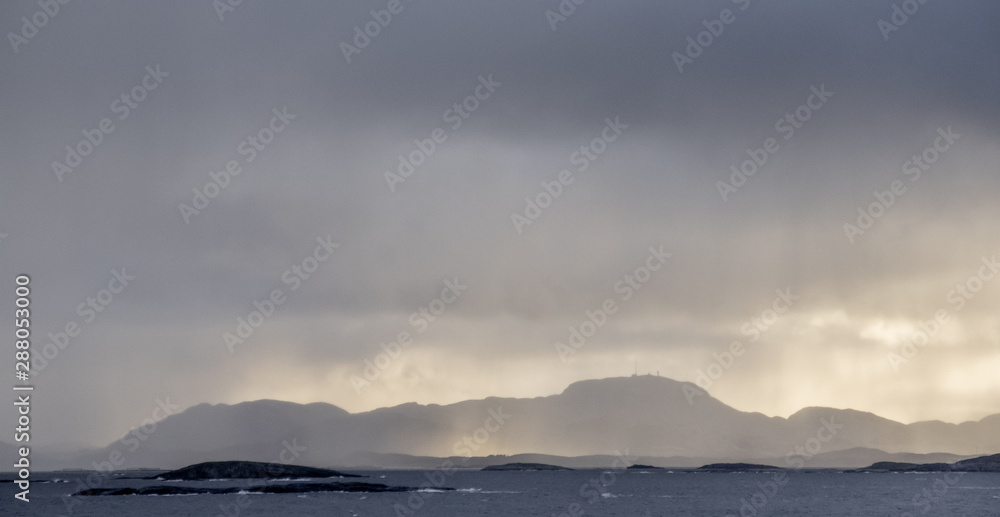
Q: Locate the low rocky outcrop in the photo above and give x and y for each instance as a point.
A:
(980, 464)
(285, 488)
(525, 466)
(737, 467)
(247, 470)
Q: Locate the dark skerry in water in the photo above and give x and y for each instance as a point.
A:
(248, 470)
(737, 467)
(525, 466)
(980, 464)
(289, 488)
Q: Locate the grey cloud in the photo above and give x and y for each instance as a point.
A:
(324, 176)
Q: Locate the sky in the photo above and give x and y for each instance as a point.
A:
(811, 185)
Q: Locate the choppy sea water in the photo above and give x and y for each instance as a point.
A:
(575, 493)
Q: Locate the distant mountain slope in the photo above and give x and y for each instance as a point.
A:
(221, 425)
(644, 416)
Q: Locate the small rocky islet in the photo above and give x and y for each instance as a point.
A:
(640, 466)
(980, 464)
(737, 467)
(285, 488)
(218, 470)
(247, 470)
(524, 467)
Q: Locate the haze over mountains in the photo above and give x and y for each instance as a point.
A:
(646, 417)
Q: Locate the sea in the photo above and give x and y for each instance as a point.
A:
(598, 492)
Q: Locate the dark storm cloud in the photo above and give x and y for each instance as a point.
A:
(656, 185)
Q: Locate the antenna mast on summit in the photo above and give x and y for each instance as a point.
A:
(635, 373)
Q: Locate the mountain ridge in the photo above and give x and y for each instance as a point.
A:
(647, 416)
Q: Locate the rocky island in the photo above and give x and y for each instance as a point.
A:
(287, 488)
(980, 464)
(247, 470)
(525, 466)
(216, 470)
(737, 467)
